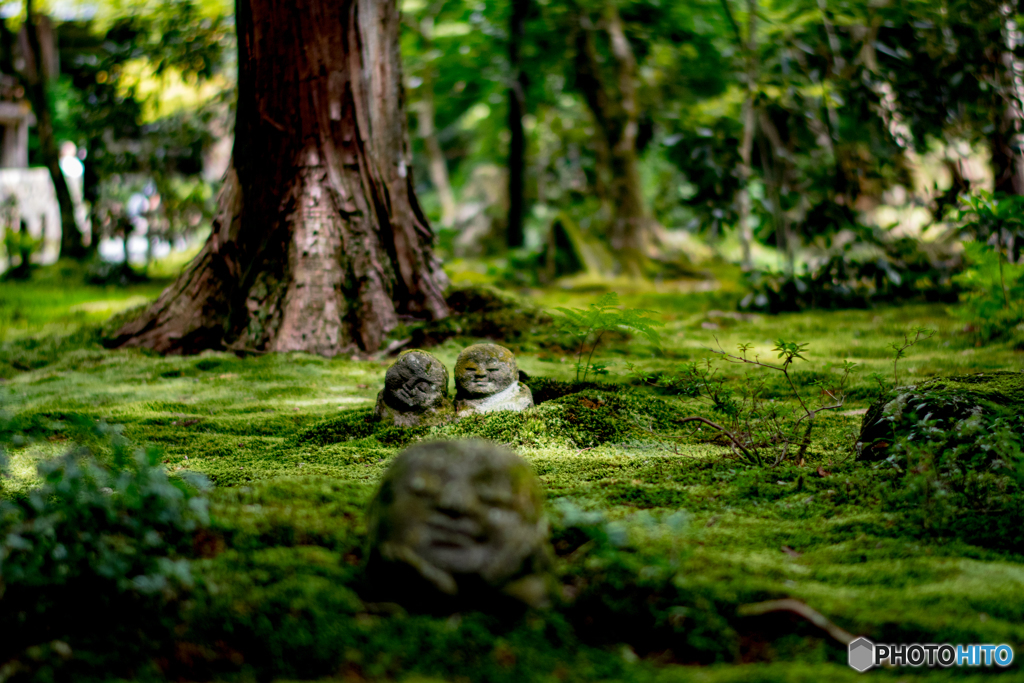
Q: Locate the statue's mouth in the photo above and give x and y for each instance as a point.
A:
(454, 533)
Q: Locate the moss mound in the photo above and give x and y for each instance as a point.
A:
(351, 425)
(943, 401)
(581, 420)
(545, 389)
(482, 313)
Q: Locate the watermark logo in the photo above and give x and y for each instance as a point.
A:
(864, 654)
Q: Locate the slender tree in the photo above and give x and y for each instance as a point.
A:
(437, 165)
(516, 111)
(36, 77)
(320, 244)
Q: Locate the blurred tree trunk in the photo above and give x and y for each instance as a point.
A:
(437, 165)
(1007, 139)
(516, 111)
(775, 158)
(748, 48)
(616, 111)
(320, 244)
(36, 76)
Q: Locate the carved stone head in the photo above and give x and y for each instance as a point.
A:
(462, 519)
(483, 370)
(416, 382)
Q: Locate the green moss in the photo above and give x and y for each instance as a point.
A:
(947, 399)
(683, 535)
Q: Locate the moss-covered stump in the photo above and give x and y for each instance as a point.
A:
(945, 402)
(483, 312)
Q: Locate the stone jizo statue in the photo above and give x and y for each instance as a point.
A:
(459, 525)
(415, 391)
(487, 379)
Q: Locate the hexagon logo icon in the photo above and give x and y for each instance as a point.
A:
(862, 654)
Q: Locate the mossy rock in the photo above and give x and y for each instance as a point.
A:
(947, 400)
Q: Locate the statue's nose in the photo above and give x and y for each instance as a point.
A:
(457, 497)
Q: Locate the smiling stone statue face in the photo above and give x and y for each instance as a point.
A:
(415, 390)
(460, 518)
(486, 380)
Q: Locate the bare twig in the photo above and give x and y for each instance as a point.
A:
(801, 610)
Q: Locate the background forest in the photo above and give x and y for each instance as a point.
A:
(760, 263)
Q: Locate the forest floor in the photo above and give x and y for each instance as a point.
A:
(288, 511)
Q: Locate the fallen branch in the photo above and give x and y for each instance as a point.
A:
(801, 610)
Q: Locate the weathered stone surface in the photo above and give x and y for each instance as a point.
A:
(457, 525)
(946, 400)
(487, 380)
(415, 391)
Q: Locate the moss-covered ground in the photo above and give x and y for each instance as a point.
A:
(682, 536)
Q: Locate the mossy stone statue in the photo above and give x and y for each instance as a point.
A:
(487, 380)
(415, 392)
(459, 525)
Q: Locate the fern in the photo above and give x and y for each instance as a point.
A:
(604, 315)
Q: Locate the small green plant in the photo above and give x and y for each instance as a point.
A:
(911, 338)
(589, 325)
(756, 426)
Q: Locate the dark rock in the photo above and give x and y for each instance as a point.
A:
(945, 400)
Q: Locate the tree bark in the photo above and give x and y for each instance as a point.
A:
(71, 241)
(320, 244)
(1007, 141)
(516, 111)
(617, 117)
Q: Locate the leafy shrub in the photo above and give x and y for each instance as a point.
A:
(93, 564)
(992, 304)
(904, 269)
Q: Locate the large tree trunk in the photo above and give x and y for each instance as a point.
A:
(36, 76)
(320, 244)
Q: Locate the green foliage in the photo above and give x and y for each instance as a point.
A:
(992, 305)
(599, 318)
(93, 544)
(755, 424)
(871, 271)
(963, 477)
